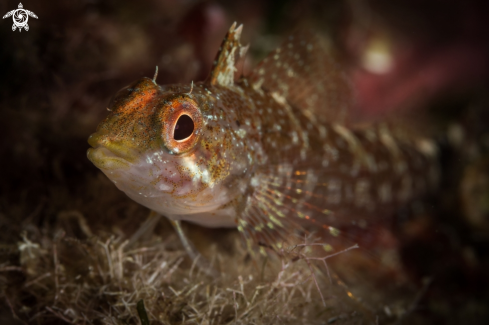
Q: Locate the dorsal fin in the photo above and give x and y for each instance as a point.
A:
(229, 53)
(303, 71)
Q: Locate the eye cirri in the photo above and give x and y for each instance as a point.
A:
(182, 125)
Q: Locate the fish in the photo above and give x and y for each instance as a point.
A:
(272, 153)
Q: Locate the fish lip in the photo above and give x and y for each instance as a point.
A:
(94, 140)
(107, 155)
(105, 159)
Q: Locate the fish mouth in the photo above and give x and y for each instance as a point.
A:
(107, 155)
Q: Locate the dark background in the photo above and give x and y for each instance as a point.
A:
(57, 78)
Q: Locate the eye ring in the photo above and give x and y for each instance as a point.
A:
(182, 125)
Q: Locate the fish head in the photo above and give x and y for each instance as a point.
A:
(164, 148)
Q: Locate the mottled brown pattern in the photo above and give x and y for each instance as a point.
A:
(303, 71)
(326, 175)
(272, 152)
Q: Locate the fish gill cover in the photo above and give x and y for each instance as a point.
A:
(77, 250)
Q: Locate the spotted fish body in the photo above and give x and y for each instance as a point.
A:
(270, 153)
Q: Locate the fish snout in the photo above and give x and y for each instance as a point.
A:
(107, 154)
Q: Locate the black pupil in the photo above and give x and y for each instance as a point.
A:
(183, 128)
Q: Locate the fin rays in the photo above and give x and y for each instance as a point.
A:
(230, 52)
(303, 71)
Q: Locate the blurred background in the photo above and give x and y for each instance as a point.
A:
(57, 78)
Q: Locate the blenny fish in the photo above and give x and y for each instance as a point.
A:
(269, 153)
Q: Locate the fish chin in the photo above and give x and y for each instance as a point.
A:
(148, 175)
(173, 186)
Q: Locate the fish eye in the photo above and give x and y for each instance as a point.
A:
(183, 128)
(181, 122)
